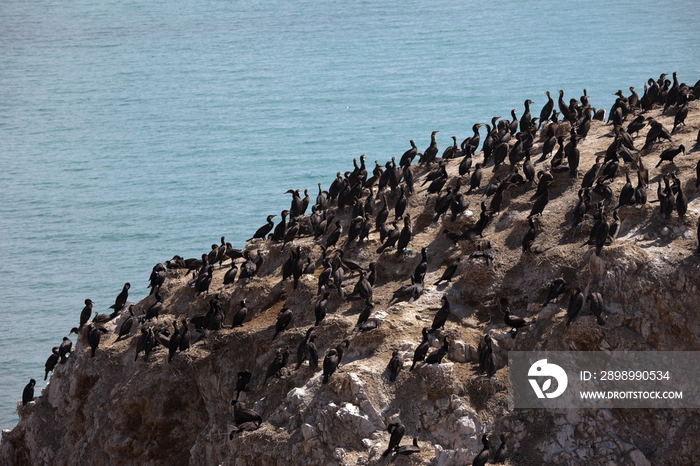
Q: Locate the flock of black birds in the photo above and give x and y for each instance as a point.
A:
(359, 203)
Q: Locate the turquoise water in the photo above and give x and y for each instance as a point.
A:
(132, 131)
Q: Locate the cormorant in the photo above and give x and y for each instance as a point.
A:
(442, 314)
(483, 456)
(320, 308)
(514, 322)
(436, 356)
(185, 336)
(240, 315)
(449, 271)
(396, 429)
(86, 313)
(529, 237)
(28, 392)
(409, 155)
(330, 364)
(174, 342)
(575, 304)
(395, 365)
(670, 153)
(64, 349)
(284, 320)
(242, 381)
(51, 361)
(263, 231)
(277, 364)
(120, 301)
(546, 110)
(125, 327)
(556, 288)
(430, 153)
(421, 349)
(302, 349)
(595, 301)
(408, 449)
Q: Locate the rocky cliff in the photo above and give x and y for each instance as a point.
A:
(110, 409)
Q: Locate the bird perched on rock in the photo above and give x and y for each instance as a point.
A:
(330, 364)
(51, 361)
(396, 429)
(395, 365)
(28, 392)
(442, 314)
(284, 320)
(277, 364)
(120, 301)
(436, 356)
(575, 304)
(556, 288)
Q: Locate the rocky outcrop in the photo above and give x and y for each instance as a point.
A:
(111, 409)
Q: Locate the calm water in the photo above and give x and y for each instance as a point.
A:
(133, 131)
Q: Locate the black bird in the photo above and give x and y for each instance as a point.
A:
(670, 153)
(430, 153)
(264, 230)
(556, 288)
(546, 110)
(408, 449)
(157, 278)
(483, 456)
(449, 271)
(51, 361)
(149, 344)
(442, 314)
(281, 228)
(313, 353)
(86, 313)
(302, 349)
(330, 364)
(680, 117)
(422, 268)
(64, 349)
(539, 204)
(28, 392)
(93, 337)
(575, 304)
(396, 429)
(412, 291)
(242, 415)
(141, 342)
(502, 452)
(626, 193)
(174, 342)
(395, 365)
(185, 336)
(284, 320)
(242, 382)
(120, 301)
(320, 308)
(409, 155)
(404, 236)
(277, 364)
(436, 356)
(475, 180)
(421, 349)
(681, 199)
(529, 238)
(230, 276)
(595, 301)
(155, 308)
(240, 315)
(514, 322)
